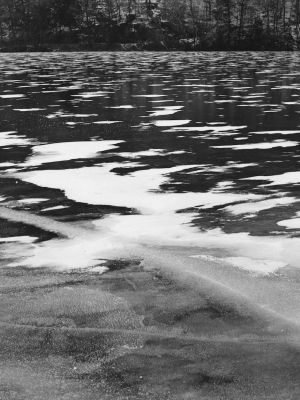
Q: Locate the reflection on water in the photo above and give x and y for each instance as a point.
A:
(197, 149)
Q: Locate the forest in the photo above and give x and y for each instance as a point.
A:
(29, 25)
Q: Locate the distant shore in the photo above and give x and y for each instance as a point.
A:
(69, 47)
(145, 46)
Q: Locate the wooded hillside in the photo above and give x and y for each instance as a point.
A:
(152, 24)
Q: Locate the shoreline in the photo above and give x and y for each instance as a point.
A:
(120, 47)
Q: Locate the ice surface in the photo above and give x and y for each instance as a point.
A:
(56, 152)
(23, 239)
(262, 146)
(99, 185)
(214, 128)
(282, 179)
(293, 223)
(11, 96)
(256, 266)
(175, 122)
(10, 139)
(29, 109)
(54, 208)
(252, 207)
(106, 122)
(32, 200)
(282, 132)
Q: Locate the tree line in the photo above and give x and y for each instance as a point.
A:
(169, 24)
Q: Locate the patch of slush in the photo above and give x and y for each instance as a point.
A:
(11, 96)
(60, 114)
(161, 101)
(293, 223)
(98, 269)
(170, 107)
(146, 153)
(232, 164)
(10, 139)
(65, 254)
(106, 122)
(282, 179)
(124, 106)
(285, 250)
(88, 95)
(78, 115)
(172, 122)
(251, 207)
(149, 95)
(56, 152)
(32, 200)
(166, 110)
(282, 132)
(7, 164)
(23, 239)
(216, 123)
(262, 146)
(29, 109)
(224, 101)
(225, 185)
(162, 112)
(119, 236)
(258, 267)
(214, 128)
(54, 208)
(150, 153)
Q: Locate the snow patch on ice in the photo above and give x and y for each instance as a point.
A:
(256, 266)
(56, 152)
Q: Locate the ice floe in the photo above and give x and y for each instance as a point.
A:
(54, 208)
(106, 122)
(29, 109)
(125, 107)
(11, 96)
(32, 200)
(215, 128)
(281, 179)
(64, 151)
(254, 207)
(282, 132)
(23, 239)
(175, 122)
(10, 138)
(264, 145)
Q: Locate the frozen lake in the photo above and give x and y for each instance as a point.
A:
(106, 154)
